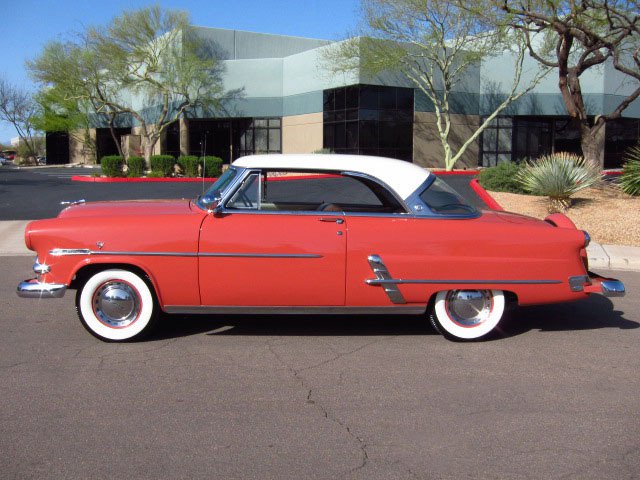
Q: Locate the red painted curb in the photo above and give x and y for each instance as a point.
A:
(80, 178)
(455, 172)
(484, 195)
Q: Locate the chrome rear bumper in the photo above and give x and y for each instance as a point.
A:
(612, 288)
(594, 283)
(35, 289)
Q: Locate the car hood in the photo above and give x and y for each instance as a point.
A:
(128, 207)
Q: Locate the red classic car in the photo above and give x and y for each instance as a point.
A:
(308, 234)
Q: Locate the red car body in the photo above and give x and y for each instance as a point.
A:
(202, 256)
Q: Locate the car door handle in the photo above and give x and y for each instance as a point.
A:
(331, 219)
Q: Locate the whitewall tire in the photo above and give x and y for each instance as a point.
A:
(467, 314)
(116, 305)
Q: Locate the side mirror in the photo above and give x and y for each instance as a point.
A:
(212, 203)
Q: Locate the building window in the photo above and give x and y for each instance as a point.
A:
(620, 135)
(497, 142)
(369, 120)
(527, 138)
(533, 138)
(261, 135)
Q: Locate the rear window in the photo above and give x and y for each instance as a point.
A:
(443, 200)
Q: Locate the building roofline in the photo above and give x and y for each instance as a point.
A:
(298, 37)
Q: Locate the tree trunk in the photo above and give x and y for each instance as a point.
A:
(147, 148)
(592, 142)
(115, 138)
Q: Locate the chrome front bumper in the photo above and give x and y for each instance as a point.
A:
(35, 289)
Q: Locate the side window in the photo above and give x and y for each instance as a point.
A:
(247, 197)
(303, 191)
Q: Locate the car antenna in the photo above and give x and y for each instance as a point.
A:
(203, 151)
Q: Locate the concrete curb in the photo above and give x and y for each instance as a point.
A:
(12, 238)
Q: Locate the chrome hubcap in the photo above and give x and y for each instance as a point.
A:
(116, 304)
(469, 307)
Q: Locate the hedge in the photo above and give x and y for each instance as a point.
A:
(501, 178)
(112, 165)
(212, 166)
(162, 164)
(189, 165)
(136, 166)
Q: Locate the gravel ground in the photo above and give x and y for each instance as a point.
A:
(609, 215)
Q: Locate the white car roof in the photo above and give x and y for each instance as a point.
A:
(403, 177)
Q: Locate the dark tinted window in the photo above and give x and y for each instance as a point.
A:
(370, 120)
(443, 200)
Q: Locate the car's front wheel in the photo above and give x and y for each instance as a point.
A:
(116, 305)
(467, 314)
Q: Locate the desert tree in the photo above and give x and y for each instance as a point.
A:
(574, 37)
(58, 113)
(436, 45)
(18, 108)
(147, 66)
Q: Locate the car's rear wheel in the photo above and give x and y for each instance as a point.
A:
(116, 305)
(467, 314)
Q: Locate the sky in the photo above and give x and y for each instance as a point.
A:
(27, 25)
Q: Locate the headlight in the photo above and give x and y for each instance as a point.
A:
(587, 239)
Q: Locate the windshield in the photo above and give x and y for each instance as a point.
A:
(444, 200)
(217, 188)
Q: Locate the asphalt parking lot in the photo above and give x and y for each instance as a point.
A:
(229, 397)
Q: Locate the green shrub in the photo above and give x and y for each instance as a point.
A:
(189, 165)
(136, 166)
(630, 178)
(212, 166)
(558, 176)
(501, 178)
(162, 164)
(153, 174)
(112, 165)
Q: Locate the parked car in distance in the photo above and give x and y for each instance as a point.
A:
(308, 234)
(41, 160)
(9, 155)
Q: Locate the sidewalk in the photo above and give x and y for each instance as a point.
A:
(12, 238)
(614, 257)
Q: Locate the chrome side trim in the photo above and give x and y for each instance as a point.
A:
(470, 282)
(387, 310)
(612, 288)
(59, 252)
(73, 202)
(386, 280)
(35, 289)
(260, 255)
